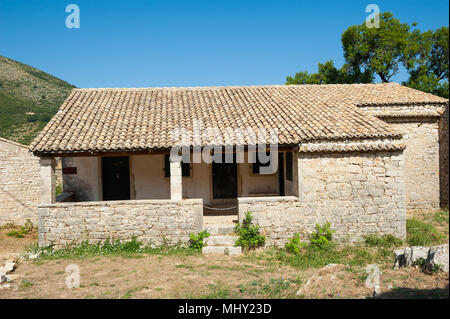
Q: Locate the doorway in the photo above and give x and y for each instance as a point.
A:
(116, 178)
(224, 178)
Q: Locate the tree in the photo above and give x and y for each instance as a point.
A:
(329, 74)
(428, 62)
(377, 51)
(371, 52)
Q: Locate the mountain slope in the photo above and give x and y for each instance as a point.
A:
(28, 99)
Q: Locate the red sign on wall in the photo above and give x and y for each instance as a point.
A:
(69, 170)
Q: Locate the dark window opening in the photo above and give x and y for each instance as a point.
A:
(185, 167)
(289, 172)
(256, 167)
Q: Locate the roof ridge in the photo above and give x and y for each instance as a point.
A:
(12, 142)
(232, 86)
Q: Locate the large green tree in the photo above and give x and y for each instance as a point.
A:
(329, 74)
(428, 60)
(380, 52)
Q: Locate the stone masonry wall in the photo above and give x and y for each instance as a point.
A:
(359, 193)
(443, 156)
(20, 183)
(152, 221)
(425, 131)
(421, 161)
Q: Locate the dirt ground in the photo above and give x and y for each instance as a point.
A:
(12, 247)
(197, 276)
(154, 276)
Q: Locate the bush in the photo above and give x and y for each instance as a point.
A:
(383, 241)
(294, 245)
(196, 241)
(419, 233)
(249, 236)
(321, 238)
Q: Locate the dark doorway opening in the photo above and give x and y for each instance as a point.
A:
(116, 178)
(281, 173)
(224, 177)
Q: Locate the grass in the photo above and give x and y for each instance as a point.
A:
(384, 241)
(441, 217)
(21, 231)
(25, 283)
(420, 233)
(132, 248)
(273, 288)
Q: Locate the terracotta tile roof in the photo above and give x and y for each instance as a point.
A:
(353, 146)
(142, 119)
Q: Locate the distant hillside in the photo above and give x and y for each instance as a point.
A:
(28, 99)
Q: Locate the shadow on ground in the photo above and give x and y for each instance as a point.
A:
(408, 293)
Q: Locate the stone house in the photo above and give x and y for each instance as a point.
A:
(356, 155)
(20, 183)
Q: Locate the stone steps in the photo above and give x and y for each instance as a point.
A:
(219, 229)
(221, 240)
(221, 250)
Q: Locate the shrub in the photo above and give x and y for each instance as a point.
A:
(383, 241)
(294, 244)
(196, 241)
(419, 233)
(249, 236)
(322, 236)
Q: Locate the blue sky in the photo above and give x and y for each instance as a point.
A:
(189, 43)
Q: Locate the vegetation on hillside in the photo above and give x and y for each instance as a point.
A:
(28, 99)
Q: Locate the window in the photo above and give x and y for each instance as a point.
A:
(289, 166)
(185, 167)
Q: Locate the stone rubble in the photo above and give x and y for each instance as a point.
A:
(9, 267)
(436, 255)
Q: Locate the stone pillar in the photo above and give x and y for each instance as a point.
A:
(176, 181)
(48, 180)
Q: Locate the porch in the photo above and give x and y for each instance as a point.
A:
(154, 177)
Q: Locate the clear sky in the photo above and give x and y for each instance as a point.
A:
(190, 43)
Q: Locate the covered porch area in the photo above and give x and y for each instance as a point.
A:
(154, 177)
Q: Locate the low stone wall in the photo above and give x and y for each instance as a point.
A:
(359, 193)
(152, 221)
(20, 183)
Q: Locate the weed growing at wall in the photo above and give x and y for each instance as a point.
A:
(294, 245)
(197, 241)
(249, 236)
(322, 236)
